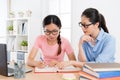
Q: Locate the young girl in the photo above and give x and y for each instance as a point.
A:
(52, 45)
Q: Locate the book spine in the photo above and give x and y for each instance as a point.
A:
(90, 72)
(87, 76)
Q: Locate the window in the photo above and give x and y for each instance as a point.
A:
(57, 7)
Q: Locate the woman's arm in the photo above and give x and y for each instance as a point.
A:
(77, 64)
(81, 55)
(32, 62)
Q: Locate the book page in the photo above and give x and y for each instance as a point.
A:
(46, 69)
(55, 69)
(69, 69)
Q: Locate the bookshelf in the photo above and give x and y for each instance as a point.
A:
(17, 35)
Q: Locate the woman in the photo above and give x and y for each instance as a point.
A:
(52, 45)
(96, 45)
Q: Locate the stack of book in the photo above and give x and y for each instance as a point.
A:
(102, 71)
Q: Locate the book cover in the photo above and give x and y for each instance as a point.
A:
(103, 66)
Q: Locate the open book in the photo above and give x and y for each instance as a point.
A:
(54, 69)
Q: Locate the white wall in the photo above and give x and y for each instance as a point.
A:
(39, 10)
(3, 16)
(109, 8)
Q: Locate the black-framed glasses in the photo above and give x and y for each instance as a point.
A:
(53, 32)
(84, 25)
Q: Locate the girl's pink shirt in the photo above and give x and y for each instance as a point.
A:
(50, 52)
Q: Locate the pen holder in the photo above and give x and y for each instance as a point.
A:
(19, 71)
(19, 67)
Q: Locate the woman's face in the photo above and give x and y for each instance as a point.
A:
(87, 27)
(51, 31)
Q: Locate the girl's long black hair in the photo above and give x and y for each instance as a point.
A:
(55, 20)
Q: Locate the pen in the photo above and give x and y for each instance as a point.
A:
(41, 59)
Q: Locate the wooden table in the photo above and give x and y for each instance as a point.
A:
(53, 76)
(40, 76)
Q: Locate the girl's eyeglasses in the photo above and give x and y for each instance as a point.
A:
(53, 32)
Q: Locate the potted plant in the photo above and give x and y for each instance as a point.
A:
(24, 45)
(10, 29)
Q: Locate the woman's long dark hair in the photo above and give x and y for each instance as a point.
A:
(94, 17)
(55, 20)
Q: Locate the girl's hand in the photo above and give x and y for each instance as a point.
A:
(40, 64)
(63, 64)
(53, 63)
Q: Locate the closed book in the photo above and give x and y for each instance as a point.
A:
(90, 72)
(87, 76)
(105, 75)
(103, 66)
(108, 74)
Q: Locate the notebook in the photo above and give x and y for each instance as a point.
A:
(5, 69)
(103, 66)
(55, 69)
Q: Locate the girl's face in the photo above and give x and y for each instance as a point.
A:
(87, 27)
(51, 31)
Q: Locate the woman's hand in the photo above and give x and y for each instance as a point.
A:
(85, 38)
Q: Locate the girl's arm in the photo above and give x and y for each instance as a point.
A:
(71, 56)
(32, 62)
